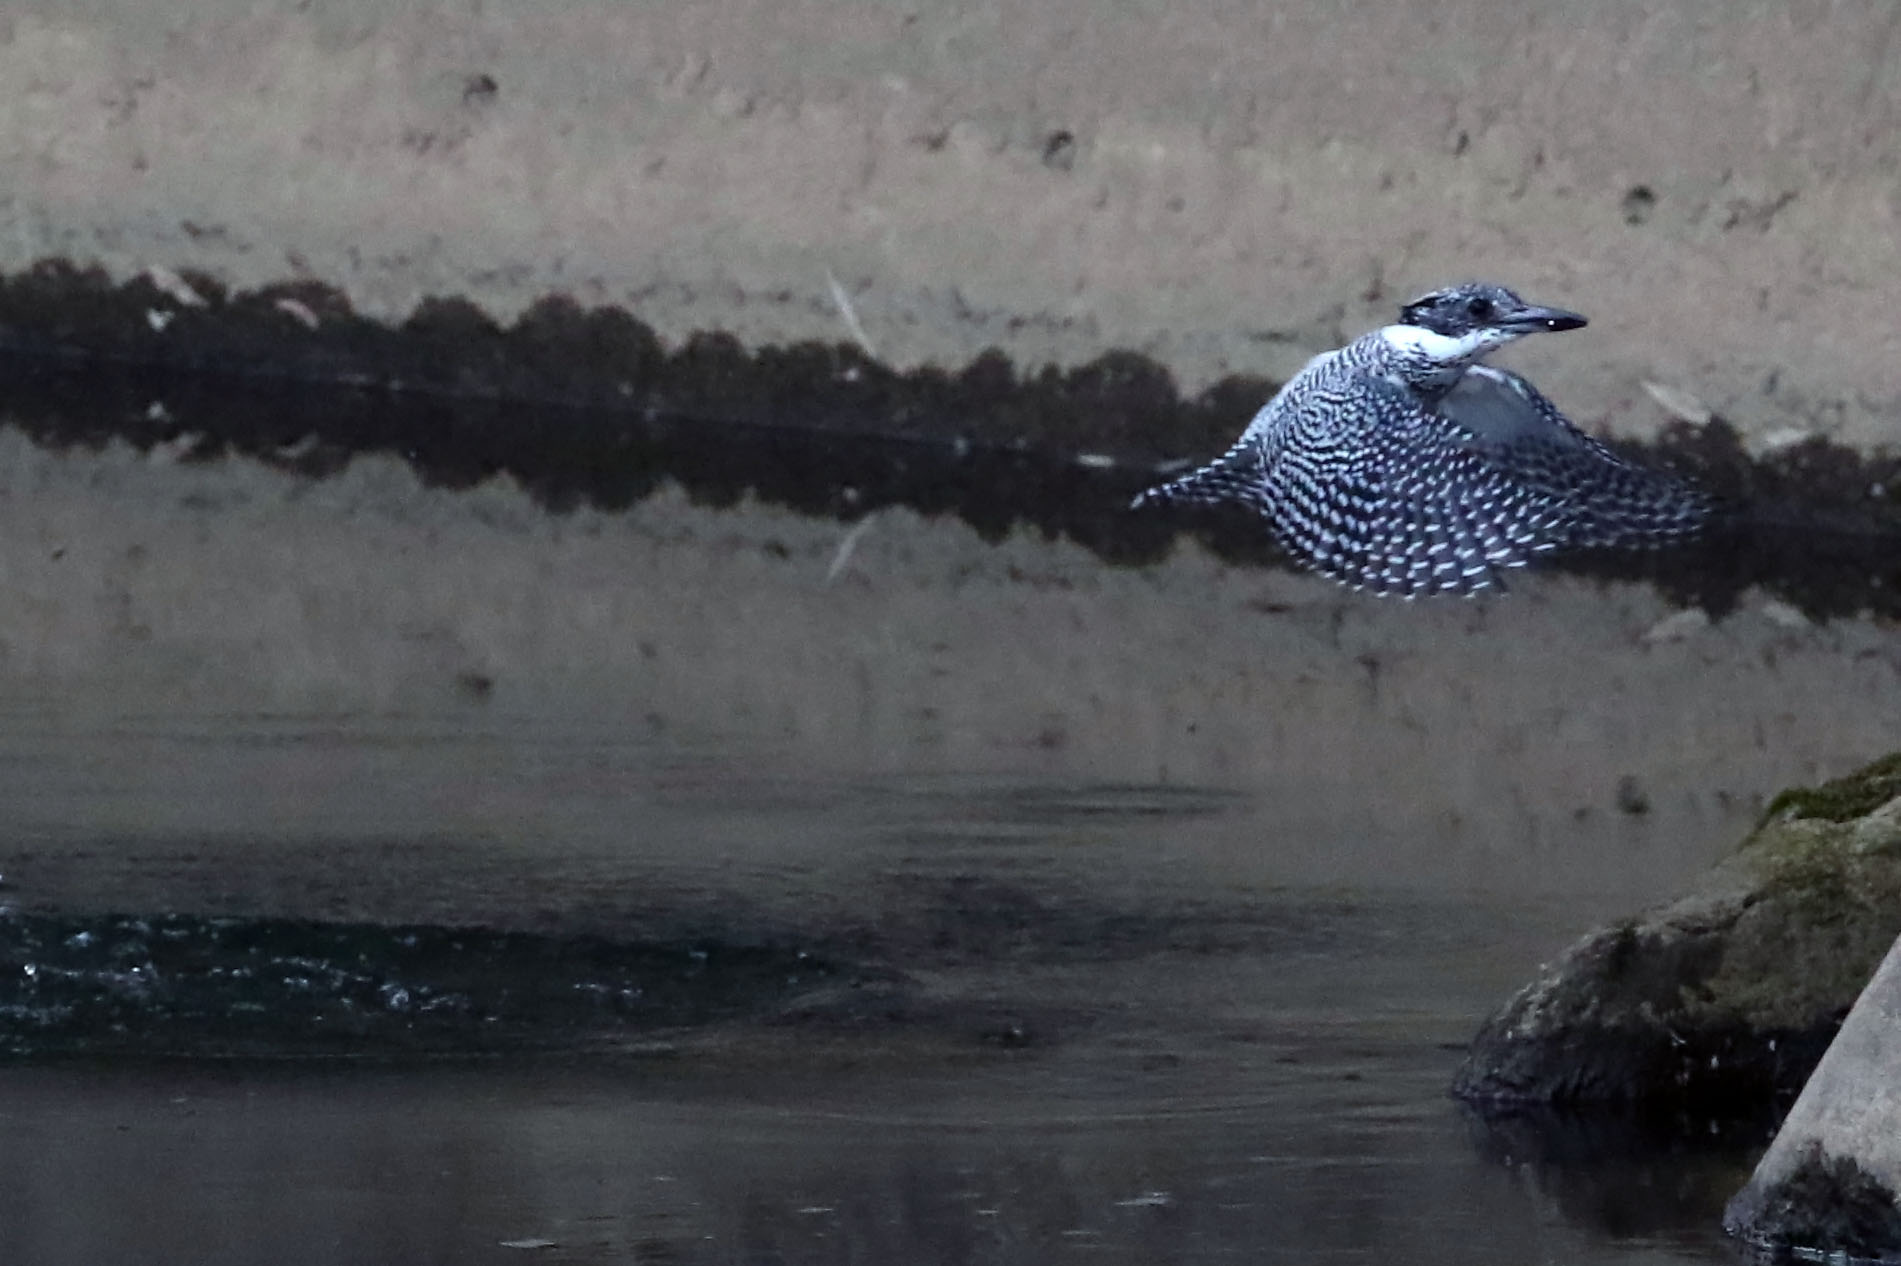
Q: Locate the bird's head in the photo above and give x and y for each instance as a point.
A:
(1457, 326)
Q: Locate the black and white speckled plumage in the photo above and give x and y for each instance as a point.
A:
(1402, 465)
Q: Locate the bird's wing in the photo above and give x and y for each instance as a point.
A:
(1373, 490)
(1608, 501)
(1401, 503)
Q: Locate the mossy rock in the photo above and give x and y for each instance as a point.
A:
(1825, 906)
(1730, 995)
(1843, 799)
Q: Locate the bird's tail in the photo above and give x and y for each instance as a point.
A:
(1234, 476)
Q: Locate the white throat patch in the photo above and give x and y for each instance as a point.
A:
(1442, 349)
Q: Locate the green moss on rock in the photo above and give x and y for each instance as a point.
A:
(1863, 791)
(1823, 905)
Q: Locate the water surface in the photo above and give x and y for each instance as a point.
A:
(1110, 1044)
(1168, 895)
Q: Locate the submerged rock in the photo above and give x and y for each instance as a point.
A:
(1729, 996)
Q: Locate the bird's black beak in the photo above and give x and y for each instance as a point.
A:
(1533, 320)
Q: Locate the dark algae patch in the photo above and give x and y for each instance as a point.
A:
(587, 406)
(271, 988)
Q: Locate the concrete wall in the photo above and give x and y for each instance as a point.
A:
(1227, 186)
(1828, 1182)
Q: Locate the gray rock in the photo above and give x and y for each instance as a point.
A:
(1729, 996)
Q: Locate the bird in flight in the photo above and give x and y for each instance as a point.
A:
(1403, 464)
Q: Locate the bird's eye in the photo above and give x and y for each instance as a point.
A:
(1479, 307)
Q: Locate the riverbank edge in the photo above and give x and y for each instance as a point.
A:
(585, 405)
